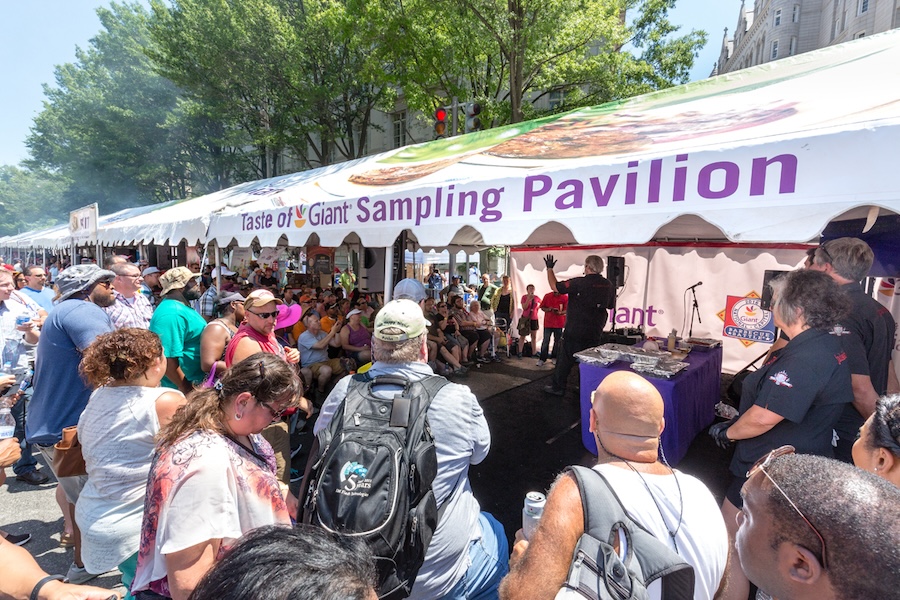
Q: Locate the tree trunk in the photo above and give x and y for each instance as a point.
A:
(516, 60)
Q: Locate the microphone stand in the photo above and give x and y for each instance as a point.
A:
(695, 310)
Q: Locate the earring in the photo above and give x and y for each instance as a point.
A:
(238, 416)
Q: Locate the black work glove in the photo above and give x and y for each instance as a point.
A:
(718, 433)
(549, 262)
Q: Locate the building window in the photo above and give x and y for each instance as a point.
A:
(774, 49)
(793, 49)
(863, 6)
(795, 15)
(859, 34)
(777, 17)
(556, 99)
(399, 127)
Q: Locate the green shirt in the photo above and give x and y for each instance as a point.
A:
(348, 281)
(179, 328)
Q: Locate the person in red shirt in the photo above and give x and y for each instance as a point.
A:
(530, 305)
(554, 306)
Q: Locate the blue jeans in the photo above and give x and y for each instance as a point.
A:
(27, 463)
(488, 563)
(556, 333)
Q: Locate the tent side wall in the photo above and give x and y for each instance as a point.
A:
(655, 295)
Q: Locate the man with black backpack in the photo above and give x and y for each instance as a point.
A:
(670, 541)
(400, 424)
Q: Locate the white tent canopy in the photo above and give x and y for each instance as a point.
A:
(175, 221)
(58, 236)
(767, 154)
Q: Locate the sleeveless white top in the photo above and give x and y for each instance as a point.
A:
(702, 538)
(116, 431)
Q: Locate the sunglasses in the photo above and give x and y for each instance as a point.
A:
(265, 315)
(276, 414)
(761, 465)
(828, 258)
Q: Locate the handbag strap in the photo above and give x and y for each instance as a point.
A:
(211, 380)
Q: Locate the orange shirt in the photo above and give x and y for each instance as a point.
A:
(298, 329)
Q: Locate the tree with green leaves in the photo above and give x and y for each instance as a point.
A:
(509, 53)
(30, 200)
(107, 123)
(291, 75)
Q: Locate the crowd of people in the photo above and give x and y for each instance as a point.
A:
(195, 407)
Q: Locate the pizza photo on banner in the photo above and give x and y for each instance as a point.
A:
(747, 321)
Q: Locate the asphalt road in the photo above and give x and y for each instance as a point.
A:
(32, 509)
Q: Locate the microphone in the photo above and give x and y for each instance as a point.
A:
(698, 284)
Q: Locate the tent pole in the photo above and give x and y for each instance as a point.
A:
(218, 258)
(388, 272)
(650, 256)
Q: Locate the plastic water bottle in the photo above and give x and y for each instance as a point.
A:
(531, 512)
(7, 423)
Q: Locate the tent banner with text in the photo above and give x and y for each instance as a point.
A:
(758, 154)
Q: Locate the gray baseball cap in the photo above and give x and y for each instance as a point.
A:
(410, 289)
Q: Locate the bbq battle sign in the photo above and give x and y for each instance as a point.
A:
(746, 320)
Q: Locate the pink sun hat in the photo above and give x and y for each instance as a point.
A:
(288, 315)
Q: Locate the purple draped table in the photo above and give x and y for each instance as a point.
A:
(690, 399)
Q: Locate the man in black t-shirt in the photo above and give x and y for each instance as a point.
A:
(590, 298)
(269, 280)
(866, 335)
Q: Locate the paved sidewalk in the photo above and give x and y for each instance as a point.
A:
(32, 509)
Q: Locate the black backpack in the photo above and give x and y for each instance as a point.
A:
(371, 476)
(596, 570)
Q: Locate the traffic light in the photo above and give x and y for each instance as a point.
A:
(473, 121)
(440, 123)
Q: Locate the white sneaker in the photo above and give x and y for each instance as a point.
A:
(79, 575)
(541, 363)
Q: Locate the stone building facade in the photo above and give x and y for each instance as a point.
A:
(769, 30)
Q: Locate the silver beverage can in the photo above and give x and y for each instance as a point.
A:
(531, 512)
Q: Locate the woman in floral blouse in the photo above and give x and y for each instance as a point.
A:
(213, 476)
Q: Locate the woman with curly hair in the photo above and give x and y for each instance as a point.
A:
(213, 476)
(797, 396)
(878, 447)
(117, 430)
